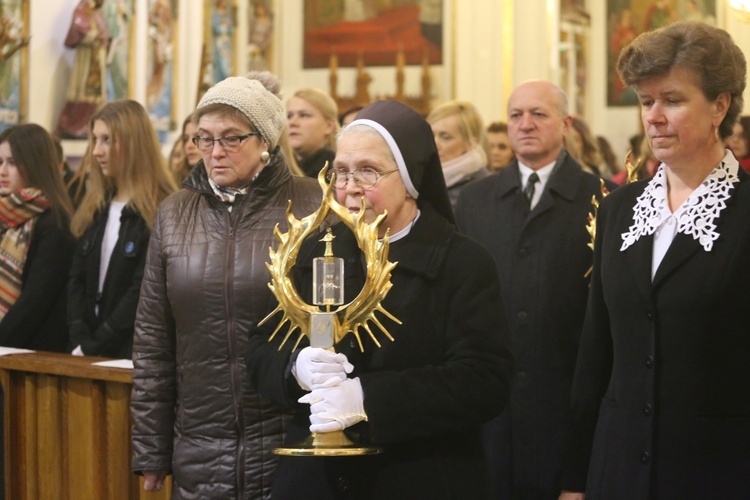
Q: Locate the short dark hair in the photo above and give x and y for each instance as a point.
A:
(353, 109)
(707, 51)
(497, 128)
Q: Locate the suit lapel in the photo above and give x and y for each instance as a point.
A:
(546, 202)
(508, 197)
(683, 247)
(564, 182)
(639, 257)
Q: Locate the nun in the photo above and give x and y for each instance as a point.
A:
(423, 396)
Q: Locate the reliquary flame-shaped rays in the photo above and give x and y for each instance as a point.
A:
(351, 317)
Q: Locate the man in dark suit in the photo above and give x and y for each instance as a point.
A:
(532, 216)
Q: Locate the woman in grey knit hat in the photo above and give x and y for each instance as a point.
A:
(204, 285)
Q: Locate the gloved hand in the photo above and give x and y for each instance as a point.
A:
(336, 408)
(316, 367)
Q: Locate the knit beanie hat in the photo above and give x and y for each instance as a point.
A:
(264, 110)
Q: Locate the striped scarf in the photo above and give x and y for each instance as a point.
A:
(18, 212)
(228, 194)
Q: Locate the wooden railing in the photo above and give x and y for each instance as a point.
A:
(67, 429)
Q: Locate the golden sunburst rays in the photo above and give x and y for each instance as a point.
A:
(591, 224)
(351, 317)
(632, 169)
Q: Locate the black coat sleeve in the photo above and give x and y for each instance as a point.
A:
(593, 369)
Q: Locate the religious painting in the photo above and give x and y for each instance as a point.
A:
(260, 35)
(574, 57)
(161, 52)
(220, 38)
(575, 23)
(120, 16)
(626, 19)
(14, 39)
(379, 31)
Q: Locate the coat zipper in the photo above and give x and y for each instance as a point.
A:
(231, 343)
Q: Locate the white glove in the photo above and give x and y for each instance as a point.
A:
(316, 367)
(77, 351)
(336, 408)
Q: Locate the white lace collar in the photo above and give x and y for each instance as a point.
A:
(695, 216)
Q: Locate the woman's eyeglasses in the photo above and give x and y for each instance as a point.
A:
(366, 178)
(229, 143)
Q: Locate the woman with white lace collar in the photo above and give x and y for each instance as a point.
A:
(660, 401)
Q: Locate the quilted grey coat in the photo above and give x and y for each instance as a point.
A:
(205, 283)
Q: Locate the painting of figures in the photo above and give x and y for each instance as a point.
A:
(626, 19)
(222, 21)
(260, 35)
(119, 16)
(377, 29)
(162, 21)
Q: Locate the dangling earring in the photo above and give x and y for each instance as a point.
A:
(716, 134)
(265, 156)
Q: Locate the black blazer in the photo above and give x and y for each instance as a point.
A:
(660, 399)
(110, 333)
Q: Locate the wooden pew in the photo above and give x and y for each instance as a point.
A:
(67, 429)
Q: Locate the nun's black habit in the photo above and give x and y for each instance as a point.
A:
(427, 393)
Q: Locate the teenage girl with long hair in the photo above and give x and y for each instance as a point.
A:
(128, 178)
(35, 242)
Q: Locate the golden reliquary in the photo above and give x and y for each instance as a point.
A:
(326, 327)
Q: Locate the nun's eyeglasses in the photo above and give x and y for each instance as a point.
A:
(366, 177)
(230, 143)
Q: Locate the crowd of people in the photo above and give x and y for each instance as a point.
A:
(523, 365)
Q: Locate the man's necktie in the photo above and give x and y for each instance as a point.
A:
(528, 191)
